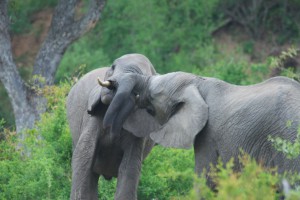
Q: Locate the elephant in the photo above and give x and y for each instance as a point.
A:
(95, 151)
(214, 117)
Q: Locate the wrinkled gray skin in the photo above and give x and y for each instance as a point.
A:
(219, 118)
(96, 152)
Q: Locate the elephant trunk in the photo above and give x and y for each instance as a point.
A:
(121, 105)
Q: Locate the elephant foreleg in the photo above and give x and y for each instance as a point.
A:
(129, 170)
(206, 155)
(84, 180)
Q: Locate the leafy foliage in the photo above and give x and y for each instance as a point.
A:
(233, 69)
(79, 54)
(167, 21)
(253, 182)
(20, 12)
(175, 35)
(45, 172)
(290, 149)
(166, 173)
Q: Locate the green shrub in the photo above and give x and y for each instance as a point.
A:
(253, 182)
(233, 69)
(106, 189)
(169, 32)
(166, 173)
(290, 149)
(45, 172)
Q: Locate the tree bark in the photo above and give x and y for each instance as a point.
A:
(64, 30)
(27, 103)
(9, 76)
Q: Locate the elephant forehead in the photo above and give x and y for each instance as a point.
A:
(158, 91)
(165, 86)
(139, 61)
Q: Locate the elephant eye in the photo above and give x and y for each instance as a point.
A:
(113, 67)
(150, 110)
(176, 107)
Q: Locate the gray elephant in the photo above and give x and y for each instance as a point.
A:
(95, 151)
(216, 117)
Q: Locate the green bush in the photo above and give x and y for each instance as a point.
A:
(44, 172)
(233, 69)
(253, 182)
(175, 35)
(290, 149)
(166, 173)
(169, 32)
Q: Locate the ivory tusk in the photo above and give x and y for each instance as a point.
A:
(104, 83)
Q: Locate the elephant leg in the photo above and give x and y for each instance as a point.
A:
(149, 144)
(206, 155)
(130, 169)
(84, 180)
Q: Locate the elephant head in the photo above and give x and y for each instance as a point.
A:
(129, 63)
(115, 81)
(173, 99)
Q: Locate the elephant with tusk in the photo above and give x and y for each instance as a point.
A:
(96, 152)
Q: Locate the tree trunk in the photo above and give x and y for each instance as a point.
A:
(64, 30)
(26, 102)
(14, 85)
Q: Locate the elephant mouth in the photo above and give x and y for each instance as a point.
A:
(106, 99)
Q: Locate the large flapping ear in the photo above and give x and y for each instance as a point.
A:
(180, 130)
(94, 99)
(140, 123)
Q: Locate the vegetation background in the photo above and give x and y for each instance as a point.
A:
(234, 40)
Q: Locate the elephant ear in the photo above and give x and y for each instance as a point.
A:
(94, 99)
(140, 123)
(180, 130)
